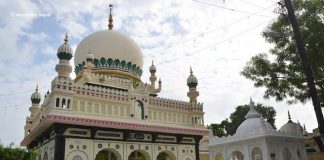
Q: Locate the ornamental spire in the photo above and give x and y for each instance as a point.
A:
(289, 118)
(251, 104)
(110, 24)
(191, 70)
(36, 87)
(66, 39)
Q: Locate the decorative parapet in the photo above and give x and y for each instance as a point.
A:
(175, 104)
(235, 138)
(111, 64)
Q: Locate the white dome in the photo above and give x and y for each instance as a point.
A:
(109, 44)
(291, 127)
(254, 123)
(252, 126)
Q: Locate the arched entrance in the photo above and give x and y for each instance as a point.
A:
(108, 154)
(165, 155)
(139, 155)
(236, 155)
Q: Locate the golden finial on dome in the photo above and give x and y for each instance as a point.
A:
(110, 24)
(66, 39)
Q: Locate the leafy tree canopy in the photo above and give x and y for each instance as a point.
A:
(280, 71)
(230, 125)
(14, 153)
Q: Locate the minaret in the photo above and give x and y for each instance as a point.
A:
(35, 99)
(153, 79)
(192, 83)
(110, 24)
(64, 53)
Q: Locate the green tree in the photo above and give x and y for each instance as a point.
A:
(15, 153)
(229, 126)
(282, 73)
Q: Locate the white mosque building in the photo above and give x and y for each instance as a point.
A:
(256, 139)
(107, 112)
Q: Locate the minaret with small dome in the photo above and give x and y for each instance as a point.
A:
(153, 79)
(192, 83)
(64, 53)
(34, 109)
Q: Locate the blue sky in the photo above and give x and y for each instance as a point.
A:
(176, 34)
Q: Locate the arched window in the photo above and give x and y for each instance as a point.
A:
(77, 157)
(106, 155)
(286, 154)
(256, 154)
(68, 104)
(166, 156)
(236, 155)
(57, 102)
(139, 110)
(63, 103)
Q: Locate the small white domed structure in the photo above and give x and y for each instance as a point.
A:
(291, 127)
(257, 139)
(253, 124)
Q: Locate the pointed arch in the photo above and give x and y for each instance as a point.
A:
(57, 102)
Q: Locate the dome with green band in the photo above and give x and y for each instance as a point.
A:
(112, 51)
(64, 52)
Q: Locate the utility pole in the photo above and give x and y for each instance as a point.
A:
(309, 74)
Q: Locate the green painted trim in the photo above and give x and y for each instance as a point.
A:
(64, 56)
(109, 63)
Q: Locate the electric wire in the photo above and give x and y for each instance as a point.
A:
(210, 31)
(212, 45)
(230, 9)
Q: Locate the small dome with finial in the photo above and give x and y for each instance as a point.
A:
(291, 127)
(152, 68)
(64, 52)
(36, 97)
(192, 80)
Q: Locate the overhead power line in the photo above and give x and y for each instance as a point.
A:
(210, 31)
(212, 45)
(252, 4)
(230, 9)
